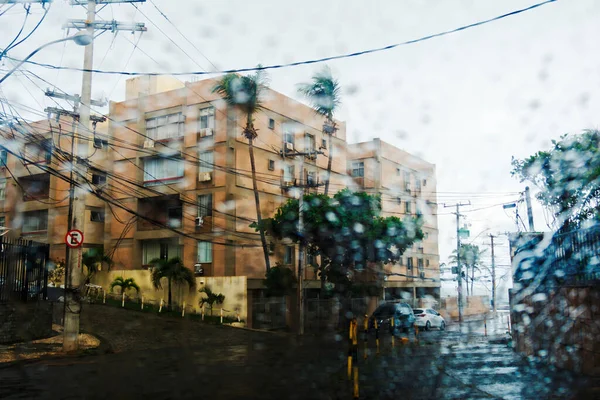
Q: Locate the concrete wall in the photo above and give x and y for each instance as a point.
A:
(474, 305)
(20, 322)
(233, 287)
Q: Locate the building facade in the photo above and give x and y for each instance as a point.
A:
(407, 185)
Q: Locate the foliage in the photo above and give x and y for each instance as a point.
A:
(347, 231)
(175, 272)
(93, 261)
(323, 93)
(470, 257)
(280, 281)
(568, 176)
(124, 284)
(211, 298)
(57, 274)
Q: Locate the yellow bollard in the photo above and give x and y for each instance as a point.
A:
(353, 344)
(160, 305)
(123, 299)
(104, 297)
(238, 317)
(349, 366)
(393, 323)
(416, 334)
(221, 316)
(202, 312)
(377, 336)
(356, 382)
(142, 303)
(183, 310)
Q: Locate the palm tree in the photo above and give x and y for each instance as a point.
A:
(324, 95)
(245, 92)
(93, 262)
(174, 271)
(211, 298)
(124, 284)
(470, 257)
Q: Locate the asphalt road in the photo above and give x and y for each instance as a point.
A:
(166, 358)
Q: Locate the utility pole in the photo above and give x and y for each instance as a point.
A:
(529, 210)
(493, 275)
(72, 298)
(459, 267)
(302, 244)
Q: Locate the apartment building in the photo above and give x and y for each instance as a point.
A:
(180, 160)
(407, 185)
(33, 202)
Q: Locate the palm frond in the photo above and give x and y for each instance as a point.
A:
(323, 93)
(243, 91)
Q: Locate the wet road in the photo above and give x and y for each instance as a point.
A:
(189, 360)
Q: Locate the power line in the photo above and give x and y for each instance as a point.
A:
(312, 61)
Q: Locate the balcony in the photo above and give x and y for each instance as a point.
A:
(165, 211)
(35, 187)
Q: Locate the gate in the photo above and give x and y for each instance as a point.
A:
(269, 313)
(23, 273)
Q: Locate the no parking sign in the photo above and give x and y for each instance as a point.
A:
(74, 238)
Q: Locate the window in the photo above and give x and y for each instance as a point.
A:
(417, 184)
(38, 153)
(420, 264)
(288, 256)
(2, 189)
(288, 133)
(271, 165)
(289, 173)
(407, 181)
(424, 182)
(409, 263)
(358, 169)
(100, 143)
(98, 179)
(207, 161)
(311, 259)
(399, 200)
(205, 205)
(309, 143)
(164, 127)
(3, 221)
(157, 169)
(311, 179)
(34, 221)
(398, 171)
(174, 217)
(271, 123)
(205, 252)
(324, 143)
(153, 249)
(97, 216)
(407, 208)
(207, 118)
(427, 263)
(3, 157)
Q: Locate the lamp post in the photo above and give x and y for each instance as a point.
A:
(81, 39)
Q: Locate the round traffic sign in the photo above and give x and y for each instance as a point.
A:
(74, 238)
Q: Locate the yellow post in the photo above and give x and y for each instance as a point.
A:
(183, 310)
(352, 342)
(393, 323)
(202, 312)
(160, 305)
(356, 382)
(221, 315)
(142, 302)
(377, 336)
(123, 299)
(104, 297)
(366, 331)
(416, 333)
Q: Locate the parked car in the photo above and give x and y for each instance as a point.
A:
(428, 318)
(402, 313)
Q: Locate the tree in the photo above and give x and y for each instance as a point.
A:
(124, 284)
(348, 232)
(568, 176)
(93, 262)
(470, 257)
(324, 95)
(280, 281)
(175, 272)
(57, 274)
(245, 92)
(211, 298)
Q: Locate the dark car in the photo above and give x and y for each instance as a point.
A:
(404, 319)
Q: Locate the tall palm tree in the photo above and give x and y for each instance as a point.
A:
(245, 92)
(325, 98)
(93, 262)
(124, 284)
(470, 257)
(174, 271)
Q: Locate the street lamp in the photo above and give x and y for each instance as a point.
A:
(80, 38)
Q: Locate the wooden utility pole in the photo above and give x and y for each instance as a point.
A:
(529, 209)
(458, 265)
(72, 296)
(493, 275)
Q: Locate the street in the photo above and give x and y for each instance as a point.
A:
(161, 357)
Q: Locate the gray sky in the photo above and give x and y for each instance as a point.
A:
(466, 102)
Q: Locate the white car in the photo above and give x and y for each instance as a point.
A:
(428, 318)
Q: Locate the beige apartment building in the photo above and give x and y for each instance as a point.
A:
(407, 185)
(184, 150)
(33, 202)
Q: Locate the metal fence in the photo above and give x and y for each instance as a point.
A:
(269, 313)
(23, 273)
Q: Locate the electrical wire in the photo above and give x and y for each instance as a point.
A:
(316, 60)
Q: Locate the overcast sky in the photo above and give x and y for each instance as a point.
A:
(466, 102)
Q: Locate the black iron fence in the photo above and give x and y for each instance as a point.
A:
(23, 272)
